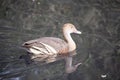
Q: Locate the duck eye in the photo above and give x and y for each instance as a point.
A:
(71, 27)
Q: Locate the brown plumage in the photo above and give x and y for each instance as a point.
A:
(59, 45)
(49, 48)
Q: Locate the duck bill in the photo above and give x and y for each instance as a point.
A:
(78, 32)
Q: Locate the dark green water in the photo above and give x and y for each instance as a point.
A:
(98, 48)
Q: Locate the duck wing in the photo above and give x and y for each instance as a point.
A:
(47, 46)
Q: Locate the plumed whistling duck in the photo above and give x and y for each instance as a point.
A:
(49, 48)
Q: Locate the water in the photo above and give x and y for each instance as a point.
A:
(97, 48)
(13, 68)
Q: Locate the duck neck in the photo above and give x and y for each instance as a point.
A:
(71, 43)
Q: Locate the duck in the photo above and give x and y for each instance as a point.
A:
(50, 49)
